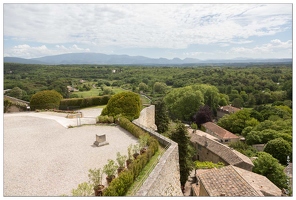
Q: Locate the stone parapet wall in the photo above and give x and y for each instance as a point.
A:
(164, 180)
(147, 117)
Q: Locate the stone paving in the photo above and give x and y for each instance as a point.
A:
(42, 157)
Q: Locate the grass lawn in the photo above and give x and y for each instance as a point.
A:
(145, 100)
(91, 93)
(95, 92)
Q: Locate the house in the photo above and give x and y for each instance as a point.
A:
(71, 89)
(223, 135)
(233, 181)
(223, 110)
(207, 148)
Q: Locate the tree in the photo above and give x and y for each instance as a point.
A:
(236, 122)
(161, 117)
(16, 92)
(203, 115)
(143, 86)
(127, 104)
(268, 166)
(237, 102)
(211, 95)
(180, 136)
(107, 91)
(47, 99)
(279, 149)
(243, 148)
(159, 87)
(257, 115)
(182, 103)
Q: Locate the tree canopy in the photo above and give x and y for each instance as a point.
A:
(203, 115)
(279, 149)
(268, 166)
(127, 104)
(184, 102)
(47, 99)
(237, 121)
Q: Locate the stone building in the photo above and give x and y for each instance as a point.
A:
(207, 148)
(223, 135)
(223, 110)
(233, 181)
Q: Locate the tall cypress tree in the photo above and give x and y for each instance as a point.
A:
(161, 117)
(180, 136)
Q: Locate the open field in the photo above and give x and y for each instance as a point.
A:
(43, 158)
(95, 92)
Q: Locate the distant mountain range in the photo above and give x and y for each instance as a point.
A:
(99, 58)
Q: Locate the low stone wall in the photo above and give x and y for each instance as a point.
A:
(164, 180)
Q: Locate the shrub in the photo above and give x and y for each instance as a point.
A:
(111, 119)
(121, 159)
(83, 189)
(105, 119)
(75, 103)
(47, 99)
(126, 103)
(120, 185)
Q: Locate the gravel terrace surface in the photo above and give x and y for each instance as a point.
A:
(44, 158)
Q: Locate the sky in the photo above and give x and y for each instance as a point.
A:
(165, 30)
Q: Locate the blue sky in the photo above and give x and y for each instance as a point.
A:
(202, 31)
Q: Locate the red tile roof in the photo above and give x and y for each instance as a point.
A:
(221, 132)
(229, 109)
(233, 181)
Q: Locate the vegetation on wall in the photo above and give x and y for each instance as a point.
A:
(207, 165)
(120, 185)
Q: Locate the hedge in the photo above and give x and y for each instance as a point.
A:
(120, 185)
(74, 103)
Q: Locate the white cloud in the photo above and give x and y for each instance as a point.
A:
(27, 51)
(275, 48)
(144, 25)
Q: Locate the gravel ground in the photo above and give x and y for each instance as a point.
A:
(44, 158)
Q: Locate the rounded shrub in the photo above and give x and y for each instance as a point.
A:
(47, 99)
(126, 103)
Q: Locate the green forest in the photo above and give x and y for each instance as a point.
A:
(245, 86)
